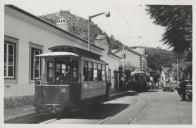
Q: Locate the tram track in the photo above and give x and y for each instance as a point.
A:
(110, 118)
(47, 118)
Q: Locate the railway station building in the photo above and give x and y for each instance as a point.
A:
(26, 36)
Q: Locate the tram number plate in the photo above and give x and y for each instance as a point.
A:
(63, 90)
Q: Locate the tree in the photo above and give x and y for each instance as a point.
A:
(177, 20)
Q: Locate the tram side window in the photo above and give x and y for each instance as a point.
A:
(95, 71)
(90, 71)
(58, 72)
(99, 72)
(85, 71)
(50, 67)
(75, 71)
(103, 73)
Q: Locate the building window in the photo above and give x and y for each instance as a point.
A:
(9, 60)
(35, 63)
(123, 55)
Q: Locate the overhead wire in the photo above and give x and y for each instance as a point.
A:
(130, 27)
(121, 15)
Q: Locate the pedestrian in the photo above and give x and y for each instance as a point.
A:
(183, 89)
(108, 84)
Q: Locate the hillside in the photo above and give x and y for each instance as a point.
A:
(79, 26)
(158, 57)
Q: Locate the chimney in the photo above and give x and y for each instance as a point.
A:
(62, 23)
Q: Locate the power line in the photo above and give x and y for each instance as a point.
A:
(115, 7)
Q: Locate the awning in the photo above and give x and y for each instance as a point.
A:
(55, 54)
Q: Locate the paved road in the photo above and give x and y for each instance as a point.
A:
(154, 107)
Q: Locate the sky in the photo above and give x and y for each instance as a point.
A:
(128, 22)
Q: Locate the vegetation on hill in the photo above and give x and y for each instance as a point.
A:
(79, 26)
(158, 57)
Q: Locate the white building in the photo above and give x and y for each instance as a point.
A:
(26, 36)
(131, 59)
(143, 61)
(110, 58)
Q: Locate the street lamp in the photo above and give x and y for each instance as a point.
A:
(107, 14)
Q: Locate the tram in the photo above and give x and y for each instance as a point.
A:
(140, 79)
(70, 77)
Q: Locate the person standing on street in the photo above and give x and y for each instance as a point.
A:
(182, 89)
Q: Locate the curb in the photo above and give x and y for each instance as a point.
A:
(120, 94)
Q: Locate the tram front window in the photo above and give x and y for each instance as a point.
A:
(66, 71)
(62, 72)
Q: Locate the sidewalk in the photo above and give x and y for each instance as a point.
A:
(15, 112)
(21, 111)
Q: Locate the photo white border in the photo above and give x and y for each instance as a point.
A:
(144, 2)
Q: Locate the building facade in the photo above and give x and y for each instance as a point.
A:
(143, 60)
(111, 59)
(25, 36)
(131, 60)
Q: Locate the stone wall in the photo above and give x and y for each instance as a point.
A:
(16, 101)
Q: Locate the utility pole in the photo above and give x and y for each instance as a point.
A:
(123, 66)
(177, 70)
(89, 20)
(123, 57)
(107, 14)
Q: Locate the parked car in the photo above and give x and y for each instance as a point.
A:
(168, 87)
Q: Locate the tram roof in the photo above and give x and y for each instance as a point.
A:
(76, 50)
(138, 72)
(54, 54)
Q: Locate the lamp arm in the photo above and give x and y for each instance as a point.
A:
(90, 17)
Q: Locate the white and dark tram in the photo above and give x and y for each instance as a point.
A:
(70, 76)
